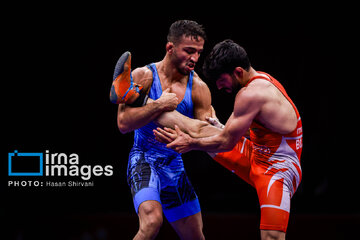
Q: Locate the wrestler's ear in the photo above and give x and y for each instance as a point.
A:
(170, 47)
(238, 72)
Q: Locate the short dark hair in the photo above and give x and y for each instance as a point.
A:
(224, 58)
(187, 28)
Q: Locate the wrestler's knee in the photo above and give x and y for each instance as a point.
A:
(272, 235)
(151, 219)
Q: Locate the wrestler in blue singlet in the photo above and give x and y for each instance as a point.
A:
(156, 172)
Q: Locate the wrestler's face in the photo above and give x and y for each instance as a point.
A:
(186, 53)
(228, 83)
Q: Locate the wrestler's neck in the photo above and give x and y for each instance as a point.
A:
(167, 68)
(246, 76)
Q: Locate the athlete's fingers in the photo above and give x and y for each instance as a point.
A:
(211, 120)
(180, 149)
(162, 139)
(159, 137)
(181, 143)
(172, 145)
(215, 122)
(168, 132)
(162, 136)
(177, 129)
(213, 114)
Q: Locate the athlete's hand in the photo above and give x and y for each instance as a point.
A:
(168, 101)
(182, 142)
(215, 122)
(166, 135)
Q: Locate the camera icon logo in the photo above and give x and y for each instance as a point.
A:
(25, 164)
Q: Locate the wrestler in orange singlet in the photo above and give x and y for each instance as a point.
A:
(269, 159)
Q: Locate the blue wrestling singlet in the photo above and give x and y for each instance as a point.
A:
(156, 172)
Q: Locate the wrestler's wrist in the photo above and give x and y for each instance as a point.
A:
(194, 143)
(157, 106)
(162, 106)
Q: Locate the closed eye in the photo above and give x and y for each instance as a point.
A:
(190, 50)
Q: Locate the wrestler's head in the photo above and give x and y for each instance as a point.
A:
(226, 65)
(185, 43)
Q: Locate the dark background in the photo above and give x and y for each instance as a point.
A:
(57, 76)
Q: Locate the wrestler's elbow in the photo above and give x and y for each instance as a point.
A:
(123, 127)
(226, 143)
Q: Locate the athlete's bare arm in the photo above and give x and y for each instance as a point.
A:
(131, 118)
(194, 127)
(247, 106)
(201, 97)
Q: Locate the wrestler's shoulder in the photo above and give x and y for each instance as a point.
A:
(260, 89)
(142, 72)
(255, 92)
(200, 89)
(259, 84)
(198, 82)
(142, 75)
